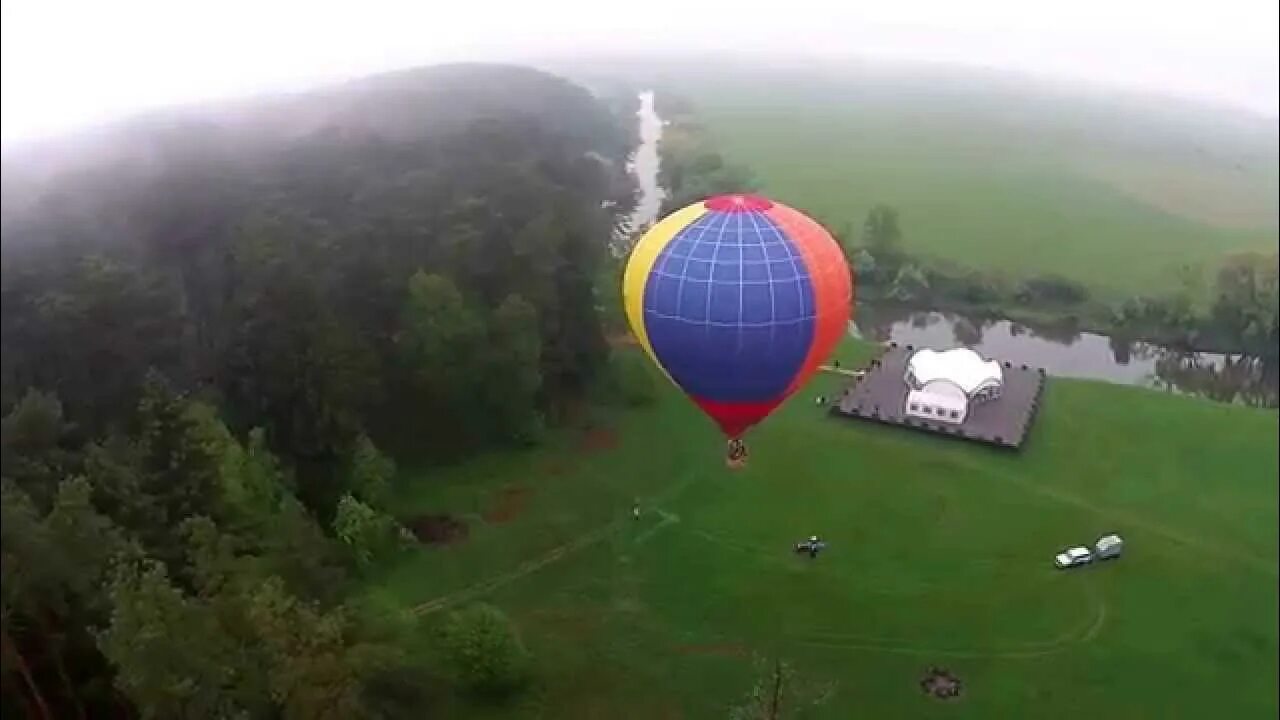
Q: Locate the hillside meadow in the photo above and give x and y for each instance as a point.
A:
(1002, 174)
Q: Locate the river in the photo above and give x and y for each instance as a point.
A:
(1065, 352)
(644, 164)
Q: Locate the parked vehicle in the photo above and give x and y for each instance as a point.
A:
(1108, 546)
(811, 546)
(1073, 557)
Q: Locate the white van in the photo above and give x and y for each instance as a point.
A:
(1108, 546)
(1073, 557)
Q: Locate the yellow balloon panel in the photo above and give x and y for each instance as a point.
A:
(643, 255)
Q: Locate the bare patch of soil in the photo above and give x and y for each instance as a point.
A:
(557, 467)
(440, 529)
(941, 684)
(598, 439)
(579, 623)
(509, 504)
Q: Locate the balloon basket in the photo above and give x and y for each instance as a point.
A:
(736, 455)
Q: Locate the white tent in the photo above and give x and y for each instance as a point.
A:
(938, 400)
(944, 385)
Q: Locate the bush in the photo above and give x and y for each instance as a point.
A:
(485, 652)
(366, 531)
(371, 473)
(967, 286)
(1052, 289)
(910, 284)
(531, 430)
(628, 380)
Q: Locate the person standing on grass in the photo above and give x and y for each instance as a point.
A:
(635, 510)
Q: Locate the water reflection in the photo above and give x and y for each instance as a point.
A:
(1064, 350)
(1237, 378)
(1121, 350)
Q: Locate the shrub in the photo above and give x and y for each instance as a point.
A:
(371, 473)
(967, 286)
(910, 284)
(366, 531)
(531, 429)
(1052, 289)
(485, 652)
(628, 380)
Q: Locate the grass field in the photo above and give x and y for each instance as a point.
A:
(1115, 192)
(940, 554)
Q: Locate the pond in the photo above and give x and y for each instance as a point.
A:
(1066, 352)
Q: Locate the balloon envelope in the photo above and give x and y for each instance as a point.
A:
(738, 299)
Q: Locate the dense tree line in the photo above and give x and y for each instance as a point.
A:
(217, 327)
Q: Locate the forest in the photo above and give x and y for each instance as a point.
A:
(224, 326)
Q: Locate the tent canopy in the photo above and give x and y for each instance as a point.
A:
(963, 367)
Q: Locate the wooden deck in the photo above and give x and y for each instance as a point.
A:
(842, 371)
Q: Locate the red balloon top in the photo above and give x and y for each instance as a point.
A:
(738, 203)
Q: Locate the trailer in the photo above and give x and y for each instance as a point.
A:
(1108, 546)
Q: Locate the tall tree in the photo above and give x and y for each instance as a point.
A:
(89, 331)
(172, 656)
(32, 440)
(26, 581)
(371, 473)
(318, 670)
(53, 572)
(909, 284)
(486, 653)
(271, 524)
(440, 344)
(295, 367)
(167, 471)
(366, 532)
(882, 236)
(1246, 304)
(513, 372)
(181, 444)
(864, 267)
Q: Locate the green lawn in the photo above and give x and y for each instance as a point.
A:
(1115, 195)
(940, 553)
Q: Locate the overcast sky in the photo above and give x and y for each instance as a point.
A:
(67, 63)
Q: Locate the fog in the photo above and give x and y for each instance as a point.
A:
(70, 63)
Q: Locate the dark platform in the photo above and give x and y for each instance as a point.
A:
(880, 396)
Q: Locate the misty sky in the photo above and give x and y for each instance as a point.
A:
(68, 63)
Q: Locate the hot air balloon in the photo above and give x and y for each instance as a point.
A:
(737, 299)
